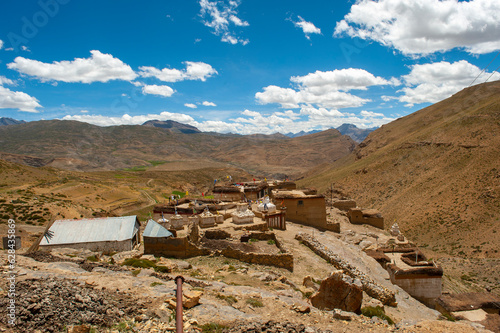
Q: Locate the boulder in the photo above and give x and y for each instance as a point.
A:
(338, 291)
(309, 283)
(342, 315)
(191, 298)
(364, 244)
(301, 308)
(183, 265)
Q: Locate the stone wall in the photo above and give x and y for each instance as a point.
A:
(333, 226)
(344, 205)
(254, 227)
(179, 247)
(125, 245)
(187, 247)
(372, 288)
(284, 260)
(217, 234)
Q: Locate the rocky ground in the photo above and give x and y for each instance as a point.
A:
(64, 288)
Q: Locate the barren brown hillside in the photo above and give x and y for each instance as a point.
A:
(73, 145)
(436, 172)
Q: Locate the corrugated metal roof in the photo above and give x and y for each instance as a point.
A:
(154, 229)
(91, 230)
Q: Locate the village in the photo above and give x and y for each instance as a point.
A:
(247, 222)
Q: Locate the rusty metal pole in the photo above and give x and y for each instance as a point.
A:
(179, 325)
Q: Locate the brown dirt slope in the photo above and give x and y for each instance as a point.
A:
(436, 172)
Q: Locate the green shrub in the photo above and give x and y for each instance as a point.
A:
(465, 277)
(139, 263)
(271, 242)
(371, 311)
(256, 303)
(449, 317)
(229, 299)
(252, 240)
(212, 328)
(156, 284)
(162, 269)
(93, 258)
(136, 272)
(307, 294)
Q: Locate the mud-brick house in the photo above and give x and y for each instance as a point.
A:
(366, 216)
(282, 185)
(105, 234)
(227, 193)
(305, 207)
(411, 271)
(255, 191)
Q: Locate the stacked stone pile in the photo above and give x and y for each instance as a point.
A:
(372, 288)
(50, 305)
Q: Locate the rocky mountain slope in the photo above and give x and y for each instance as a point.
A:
(357, 134)
(5, 121)
(436, 172)
(173, 126)
(80, 146)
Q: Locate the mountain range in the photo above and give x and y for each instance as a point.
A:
(5, 121)
(357, 134)
(172, 125)
(81, 146)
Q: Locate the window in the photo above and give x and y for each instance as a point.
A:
(300, 203)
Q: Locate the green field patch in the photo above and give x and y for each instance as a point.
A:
(155, 163)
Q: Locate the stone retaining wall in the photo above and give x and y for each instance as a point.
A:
(284, 260)
(372, 288)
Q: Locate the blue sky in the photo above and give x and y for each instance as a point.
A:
(241, 66)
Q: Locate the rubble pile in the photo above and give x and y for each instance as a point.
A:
(372, 288)
(50, 305)
(274, 327)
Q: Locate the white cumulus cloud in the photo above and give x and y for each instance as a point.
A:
(251, 122)
(99, 67)
(220, 16)
(190, 105)
(4, 80)
(433, 82)
(17, 100)
(194, 71)
(1, 44)
(425, 26)
(324, 89)
(164, 91)
(207, 103)
(126, 119)
(307, 27)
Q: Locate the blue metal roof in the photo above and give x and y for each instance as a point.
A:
(91, 230)
(154, 229)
